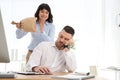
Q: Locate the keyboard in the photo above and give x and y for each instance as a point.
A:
(29, 73)
(32, 73)
(7, 75)
(114, 68)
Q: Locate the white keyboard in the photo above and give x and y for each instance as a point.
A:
(32, 73)
(114, 68)
(6, 75)
(29, 73)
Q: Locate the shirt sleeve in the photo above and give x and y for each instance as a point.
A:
(35, 58)
(50, 36)
(20, 33)
(70, 61)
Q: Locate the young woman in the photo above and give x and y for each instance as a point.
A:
(44, 25)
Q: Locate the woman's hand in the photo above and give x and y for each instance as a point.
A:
(18, 25)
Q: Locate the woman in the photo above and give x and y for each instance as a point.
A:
(45, 28)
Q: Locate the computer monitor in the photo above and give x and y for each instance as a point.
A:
(4, 55)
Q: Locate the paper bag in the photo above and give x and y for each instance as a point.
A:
(28, 24)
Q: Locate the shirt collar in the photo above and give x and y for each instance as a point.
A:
(53, 44)
(46, 22)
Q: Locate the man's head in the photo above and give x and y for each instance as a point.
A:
(69, 30)
(65, 36)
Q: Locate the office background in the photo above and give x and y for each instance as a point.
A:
(97, 37)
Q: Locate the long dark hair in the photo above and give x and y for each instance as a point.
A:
(46, 7)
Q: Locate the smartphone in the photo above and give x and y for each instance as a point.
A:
(66, 46)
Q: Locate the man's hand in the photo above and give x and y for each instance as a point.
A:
(71, 42)
(41, 69)
(68, 44)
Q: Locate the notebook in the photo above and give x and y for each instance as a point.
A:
(73, 76)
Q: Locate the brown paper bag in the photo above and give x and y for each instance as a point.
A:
(28, 24)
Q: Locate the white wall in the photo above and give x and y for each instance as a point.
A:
(85, 16)
(93, 20)
(111, 57)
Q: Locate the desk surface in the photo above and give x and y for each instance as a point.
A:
(42, 77)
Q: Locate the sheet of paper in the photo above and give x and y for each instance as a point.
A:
(73, 76)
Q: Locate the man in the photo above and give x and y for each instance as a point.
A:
(56, 56)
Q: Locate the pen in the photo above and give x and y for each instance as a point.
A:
(85, 74)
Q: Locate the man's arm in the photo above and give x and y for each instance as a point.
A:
(69, 56)
(70, 61)
(34, 63)
(35, 58)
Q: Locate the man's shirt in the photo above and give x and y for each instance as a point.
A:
(46, 54)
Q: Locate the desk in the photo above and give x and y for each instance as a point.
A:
(42, 77)
(117, 73)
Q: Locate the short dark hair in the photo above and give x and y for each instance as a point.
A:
(46, 7)
(69, 29)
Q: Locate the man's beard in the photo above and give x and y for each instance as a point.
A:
(60, 45)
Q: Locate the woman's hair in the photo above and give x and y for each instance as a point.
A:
(46, 7)
(69, 30)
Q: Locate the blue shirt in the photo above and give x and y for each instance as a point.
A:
(37, 37)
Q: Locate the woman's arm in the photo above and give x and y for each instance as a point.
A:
(50, 36)
(20, 33)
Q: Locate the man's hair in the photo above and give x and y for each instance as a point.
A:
(69, 29)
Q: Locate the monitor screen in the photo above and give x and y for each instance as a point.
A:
(4, 55)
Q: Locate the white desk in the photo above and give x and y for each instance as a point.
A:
(117, 73)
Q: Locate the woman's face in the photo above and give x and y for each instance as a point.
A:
(43, 15)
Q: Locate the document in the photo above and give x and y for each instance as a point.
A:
(74, 76)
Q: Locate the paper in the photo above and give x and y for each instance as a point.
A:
(29, 24)
(73, 76)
